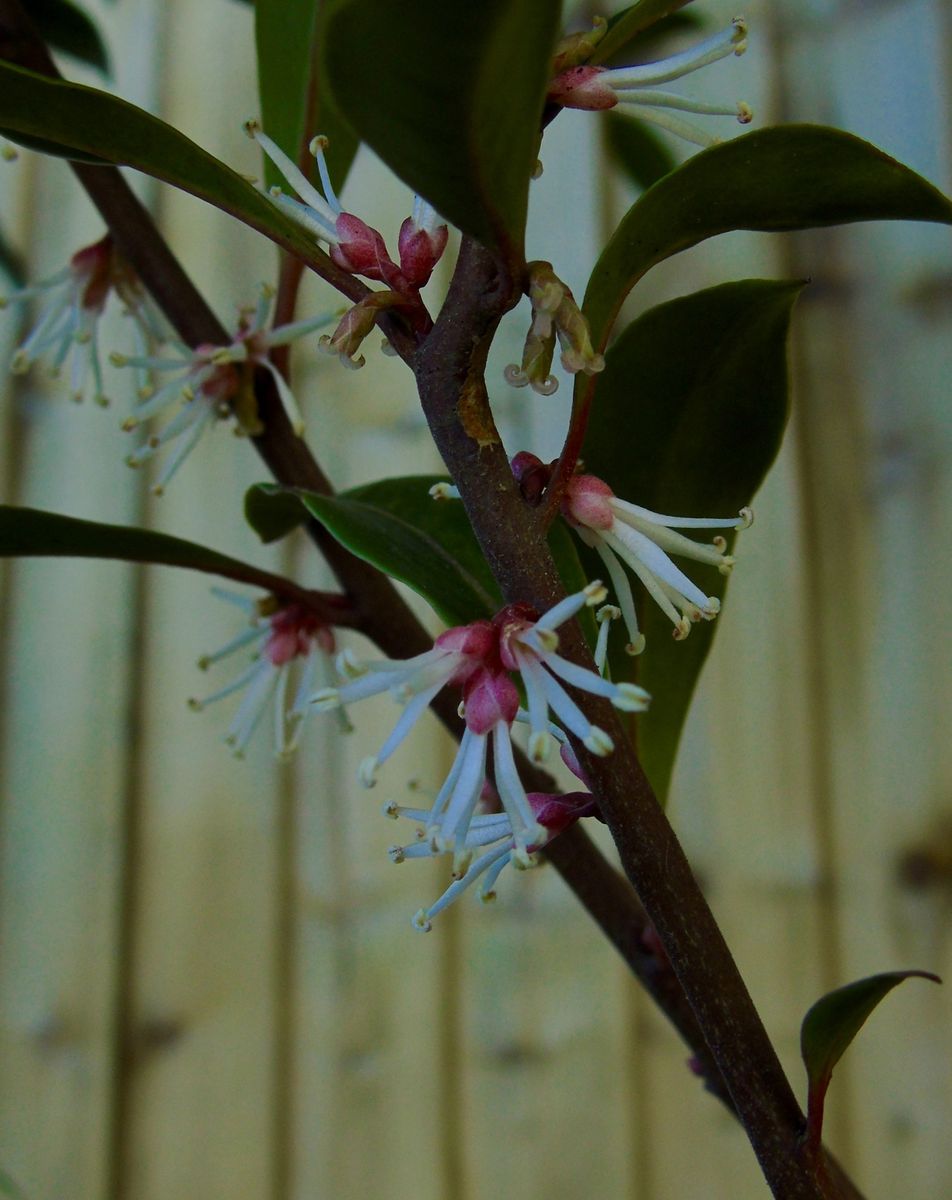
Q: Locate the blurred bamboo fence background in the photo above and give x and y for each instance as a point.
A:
(209, 986)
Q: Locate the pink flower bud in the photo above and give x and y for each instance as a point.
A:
(557, 813)
(292, 630)
(362, 251)
(581, 87)
(586, 502)
(532, 475)
(477, 641)
(420, 250)
(489, 698)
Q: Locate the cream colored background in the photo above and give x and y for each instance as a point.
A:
(209, 987)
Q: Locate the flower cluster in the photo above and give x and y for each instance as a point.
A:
(286, 639)
(357, 247)
(554, 315)
(594, 88)
(74, 300)
(484, 659)
(212, 383)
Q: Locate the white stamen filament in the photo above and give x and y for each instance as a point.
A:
(731, 40)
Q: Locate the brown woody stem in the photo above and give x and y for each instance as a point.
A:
(449, 369)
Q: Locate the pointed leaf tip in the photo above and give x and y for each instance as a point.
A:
(776, 179)
(829, 1027)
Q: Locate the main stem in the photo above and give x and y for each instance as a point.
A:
(449, 370)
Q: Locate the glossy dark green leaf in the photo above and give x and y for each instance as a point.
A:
(450, 96)
(641, 154)
(787, 177)
(295, 102)
(11, 262)
(273, 511)
(626, 25)
(688, 416)
(79, 122)
(427, 544)
(830, 1026)
(31, 533)
(68, 28)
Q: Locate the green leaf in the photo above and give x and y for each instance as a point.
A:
(450, 96)
(830, 1026)
(8, 1187)
(626, 25)
(11, 262)
(638, 150)
(688, 416)
(87, 124)
(67, 28)
(295, 102)
(273, 511)
(30, 533)
(787, 177)
(427, 544)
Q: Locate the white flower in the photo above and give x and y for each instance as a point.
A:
(489, 845)
(286, 639)
(73, 302)
(213, 383)
(479, 659)
(591, 88)
(623, 532)
(530, 647)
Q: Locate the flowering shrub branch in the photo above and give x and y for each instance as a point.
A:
(530, 662)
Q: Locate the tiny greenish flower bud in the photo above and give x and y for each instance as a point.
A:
(353, 327)
(578, 353)
(554, 315)
(577, 48)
